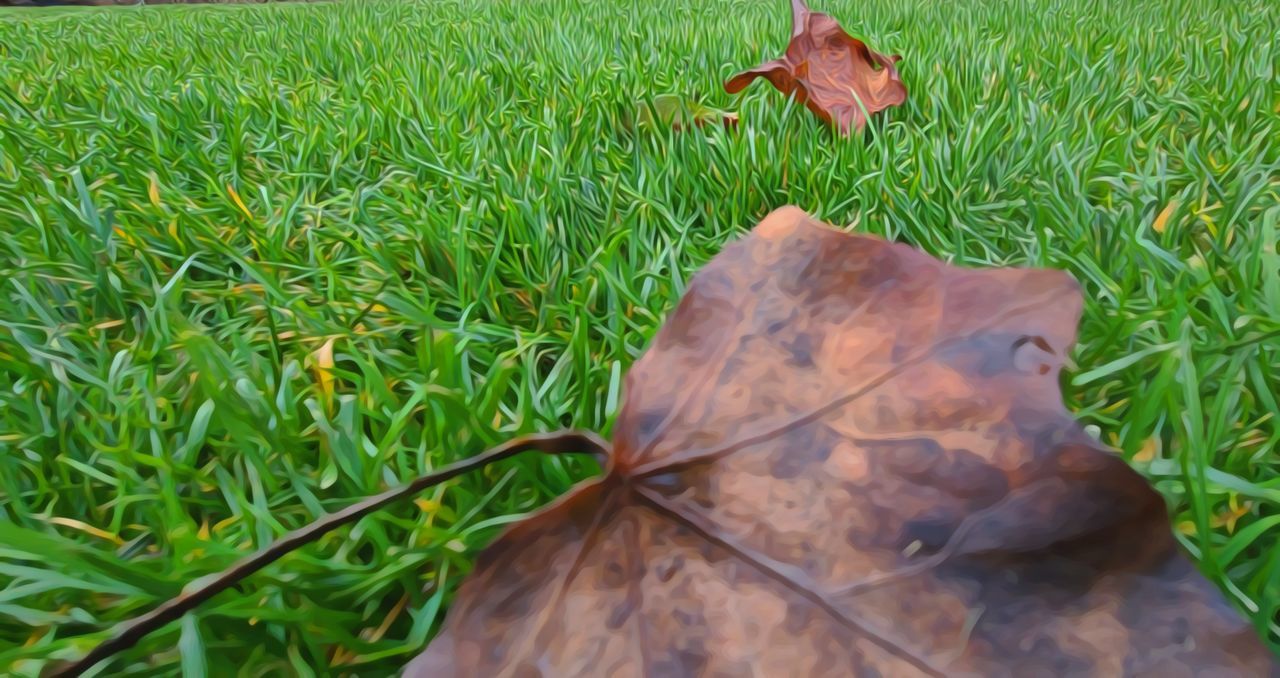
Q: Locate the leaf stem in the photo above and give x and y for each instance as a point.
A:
(127, 634)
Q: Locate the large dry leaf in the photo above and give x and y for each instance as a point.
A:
(841, 456)
(836, 75)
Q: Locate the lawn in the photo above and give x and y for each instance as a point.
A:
(260, 261)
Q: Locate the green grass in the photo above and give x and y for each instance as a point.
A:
(197, 202)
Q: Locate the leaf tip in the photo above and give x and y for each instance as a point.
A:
(781, 221)
(799, 16)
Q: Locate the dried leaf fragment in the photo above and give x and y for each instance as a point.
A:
(1163, 218)
(679, 113)
(834, 74)
(322, 361)
(840, 456)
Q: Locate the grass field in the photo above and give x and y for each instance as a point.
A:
(259, 261)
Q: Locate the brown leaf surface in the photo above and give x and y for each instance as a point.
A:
(831, 72)
(841, 456)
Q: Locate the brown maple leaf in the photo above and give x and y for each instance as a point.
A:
(836, 75)
(841, 456)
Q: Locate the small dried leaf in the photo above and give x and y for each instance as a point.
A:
(235, 197)
(153, 190)
(676, 112)
(1149, 450)
(836, 75)
(1163, 218)
(87, 529)
(838, 457)
(322, 363)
